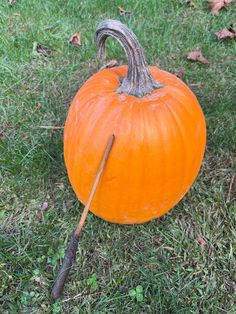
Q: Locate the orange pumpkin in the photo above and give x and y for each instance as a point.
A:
(160, 136)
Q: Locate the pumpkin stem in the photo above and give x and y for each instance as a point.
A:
(139, 81)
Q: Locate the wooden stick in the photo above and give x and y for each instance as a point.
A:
(51, 127)
(70, 254)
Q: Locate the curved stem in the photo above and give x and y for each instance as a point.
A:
(139, 81)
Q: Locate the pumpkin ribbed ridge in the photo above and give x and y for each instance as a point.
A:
(182, 145)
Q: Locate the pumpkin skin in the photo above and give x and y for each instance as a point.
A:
(158, 150)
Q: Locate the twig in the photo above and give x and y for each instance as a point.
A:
(51, 127)
(230, 188)
(195, 84)
(70, 254)
(80, 296)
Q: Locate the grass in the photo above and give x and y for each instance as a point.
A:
(175, 273)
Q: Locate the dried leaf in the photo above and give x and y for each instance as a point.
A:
(226, 33)
(157, 241)
(191, 4)
(11, 2)
(38, 217)
(217, 5)
(180, 73)
(75, 39)
(202, 242)
(198, 267)
(5, 126)
(123, 12)
(110, 64)
(43, 51)
(197, 56)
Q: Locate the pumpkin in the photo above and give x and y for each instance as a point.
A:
(159, 129)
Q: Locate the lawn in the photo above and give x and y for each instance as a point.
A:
(184, 262)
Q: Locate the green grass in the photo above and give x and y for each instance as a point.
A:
(163, 256)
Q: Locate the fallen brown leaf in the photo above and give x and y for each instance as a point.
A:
(123, 12)
(39, 215)
(11, 2)
(5, 126)
(180, 73)
(110, 64)
(157, 241)
(43, 51)
(198, 267)
(191, 4)
(226, 33)
(217, 5)
(202, 242)
(75, 39)
(197, 56)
